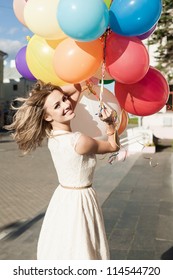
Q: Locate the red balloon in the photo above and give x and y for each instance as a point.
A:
(145, 97)
(127, 59)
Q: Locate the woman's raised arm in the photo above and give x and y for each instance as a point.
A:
(74, 91)
(88, 145)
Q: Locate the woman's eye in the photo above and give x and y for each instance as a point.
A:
(65, 98)
(57, 105)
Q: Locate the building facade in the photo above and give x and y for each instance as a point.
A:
(13, 87)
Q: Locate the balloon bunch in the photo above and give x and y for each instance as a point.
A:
(75, 40)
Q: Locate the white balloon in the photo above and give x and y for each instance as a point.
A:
(18, 8)
(87, 120)
(41, 18)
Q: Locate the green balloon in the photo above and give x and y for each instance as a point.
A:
(108, 3)
(106, 82)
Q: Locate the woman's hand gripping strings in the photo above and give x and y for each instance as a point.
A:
(110, 117)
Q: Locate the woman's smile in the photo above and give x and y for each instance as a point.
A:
(68, 111)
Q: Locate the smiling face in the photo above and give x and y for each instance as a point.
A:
(58, 109)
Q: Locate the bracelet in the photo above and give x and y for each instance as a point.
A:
(110, 133)
(113, 132)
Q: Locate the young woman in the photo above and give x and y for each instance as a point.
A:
(73, 226)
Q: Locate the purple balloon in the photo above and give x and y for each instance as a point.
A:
(147, 34)
(22, 66)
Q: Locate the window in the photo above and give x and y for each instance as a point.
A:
(15, 87)
(169, 104)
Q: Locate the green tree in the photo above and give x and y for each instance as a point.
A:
(163, 37)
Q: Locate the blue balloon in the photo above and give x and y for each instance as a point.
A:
(83, 20)
(134, 17)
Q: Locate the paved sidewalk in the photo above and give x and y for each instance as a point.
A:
(136, 199)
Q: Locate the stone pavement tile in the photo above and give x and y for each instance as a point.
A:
(150, 208)
(165, 228)
(132, 208)
(110, 216)
(118, 254)
(147, 222)
(141, 255)
(121, 239)
(151, 196)
(166, 194)
(128, 182)
(120, 195)
(127, 221)
(143, 240)
(166, 208)
(138, 195)
(107, 177)
(119, 205)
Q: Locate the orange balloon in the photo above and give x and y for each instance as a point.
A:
(123, 121)
(77, 61)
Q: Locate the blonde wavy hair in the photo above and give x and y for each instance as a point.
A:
(29, 128)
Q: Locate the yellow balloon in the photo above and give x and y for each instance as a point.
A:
(41, 18)
(39, 57)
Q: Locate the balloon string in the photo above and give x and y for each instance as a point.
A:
(90, 87)
(150, 162)
(113, 156)
(103, 71)
(149, 158)
(102, 85)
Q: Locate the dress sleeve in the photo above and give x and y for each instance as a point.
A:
(75, 139)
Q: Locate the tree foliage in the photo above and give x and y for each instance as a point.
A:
(163, 37)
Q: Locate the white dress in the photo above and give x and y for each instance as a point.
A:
(73, 227)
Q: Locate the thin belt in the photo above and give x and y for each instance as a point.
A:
(76, 188)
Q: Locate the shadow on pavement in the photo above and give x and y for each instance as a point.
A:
(168, 255)
(16, 229)
(161, 148)
(163, 144)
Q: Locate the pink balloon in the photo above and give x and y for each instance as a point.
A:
(146, 97)
(18, 7)
(127, 59)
